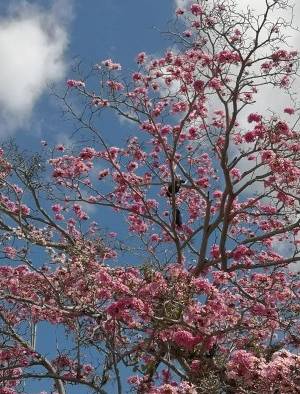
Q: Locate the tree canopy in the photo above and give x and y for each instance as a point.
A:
(203, 297)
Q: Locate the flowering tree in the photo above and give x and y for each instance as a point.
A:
(208, 189)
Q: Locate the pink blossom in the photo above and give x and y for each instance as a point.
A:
(132, 166)
(227, 56)
(199, 85)
(165, 130)
(267, 67)
(215, 251)
(203, 182)
(72, 83)
(57, 208)
(289, 110)
(155, 237)
(10, 252)
(60, 148)
(288, 200)
(250, 136)
(136, 76)
(253, 117)
(79, 212)
(267, 155)
(87, 153)
(282, 128)
(134, 380)
(215, 83)
(236, 173)
(141, 57)
(17, 189)
(187, 33)
(103, 173)
(111, 65)
(98, 102)
(87, 369)
(285, 82)
(196, 24)
(241, 251)
(196, 9)
(114, 85)
(192, 133)
(185, 339)
(179, 107)
(25, 210)
(179, 11)
(174, 298)
(241, 363)
(217, 194)
(281, 54)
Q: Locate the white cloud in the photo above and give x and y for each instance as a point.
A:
(268, 100)
(182, 3)
(33, 42)
(265, 98)
(271, 99)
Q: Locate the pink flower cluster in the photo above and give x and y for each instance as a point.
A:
(196, 9)
(110, 65)
(115, 86)
(254, 117)
(185, 339)
(227, 57)
(265, 376)
(72, 83)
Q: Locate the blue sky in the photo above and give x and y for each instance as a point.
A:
(40, 40)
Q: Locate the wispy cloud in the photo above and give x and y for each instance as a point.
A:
(269, 101)
(182, 3)
(265, 99)
(33, 42)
